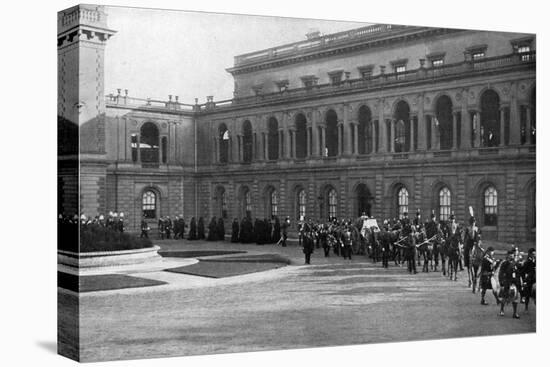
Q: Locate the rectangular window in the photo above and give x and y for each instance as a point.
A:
(437, 62)
(400, 70)
(524, 52)
(478, 55)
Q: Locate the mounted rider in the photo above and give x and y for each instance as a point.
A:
(473, 237)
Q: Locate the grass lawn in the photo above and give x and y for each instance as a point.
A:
(216, 269)
(92, 283)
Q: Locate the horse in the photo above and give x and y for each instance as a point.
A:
(476, 257)
(503, 295)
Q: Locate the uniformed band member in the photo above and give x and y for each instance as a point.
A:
(235, 231)
(487, 266)
(529, 276)
(509, 275)
(408, 242)
(200, 229)
(192, 230)
(284, 228)
(346, 241)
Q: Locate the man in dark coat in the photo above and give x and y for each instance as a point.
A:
(176, 227)
(160, 228)
(200, 229)
(284, 228)
(487, 265)
(213, 230)
(221, 230)
(276, 230)
(308, 245)
(268, 227)
(258, 231)
(243, 232)
(235, 231)
(144, 229)
(168, 227)
(192, 230)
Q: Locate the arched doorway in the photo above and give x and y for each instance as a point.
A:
(363, 199)
(444, 114)
(247, 142)
(301, 136)
(490, 118)
(364, 131)
(402, 137)
(331, 138)
(273, 139)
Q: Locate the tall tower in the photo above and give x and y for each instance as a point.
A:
(81, 39)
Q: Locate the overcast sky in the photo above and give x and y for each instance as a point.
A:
(160, 52)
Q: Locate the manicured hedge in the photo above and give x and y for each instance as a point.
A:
(95, 237)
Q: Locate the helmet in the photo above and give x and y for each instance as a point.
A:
(101, 217)
(121, 215)
(83, 217)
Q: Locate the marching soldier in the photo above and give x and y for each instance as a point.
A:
(235, 230)
(487, 266)
(284, 229)
(120, 227)
(160, 227)
(308, 244)
(346, 239)
(168, 227)
(200, 229)
(192, 230)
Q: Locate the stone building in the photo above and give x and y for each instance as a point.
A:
(381, 119)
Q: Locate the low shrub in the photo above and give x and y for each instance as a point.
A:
(94, 237)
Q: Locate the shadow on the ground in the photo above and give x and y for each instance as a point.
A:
(48, 345)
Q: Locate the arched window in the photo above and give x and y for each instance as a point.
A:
(444, 204)
(273, 139)
(301, 212)
(164, 148)
(273, 203)
(444, 114)
(247, 142)
(490, 206)
(402, 127)
(364, 131)
(301, 136)
(490, 119)
(332, 203)
(402, 202)
(149, 204)
(223, 138)
(331, 135)
(149, 143)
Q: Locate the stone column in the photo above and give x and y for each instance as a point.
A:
(355, 137)
(373, 139)
(421, 125)
(392, 135)
(288, 144)
(314, 149)
(466, 127)
(215, 156)
(339, 130)
(265, 145)
(502, 123)
(280, 151)
(309, 131)
(346, 129)
(411, 135)
(382, 128)
(435, 133)
(455, 129)
(293, 144)
(254, 146)
(323, 142)
(515, 123)
(234, 148)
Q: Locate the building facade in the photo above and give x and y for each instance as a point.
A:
(382, 119)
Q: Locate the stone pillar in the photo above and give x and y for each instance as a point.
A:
(293, 143)
(411, 135)
(308, 141)
(382, 128)
(254, 146)
(346, 127)
(215, 150)
(455, 129)
(515, 123)
(435, 133)
(502, 125)
(373, 129)
(466, 126)
(288, 144)
(355, 137)
(266, 146)
(234, 148)
(314, 149)
(281, 147)
(421, 125)
(323, 142)
(392, 135)
(339, 129)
